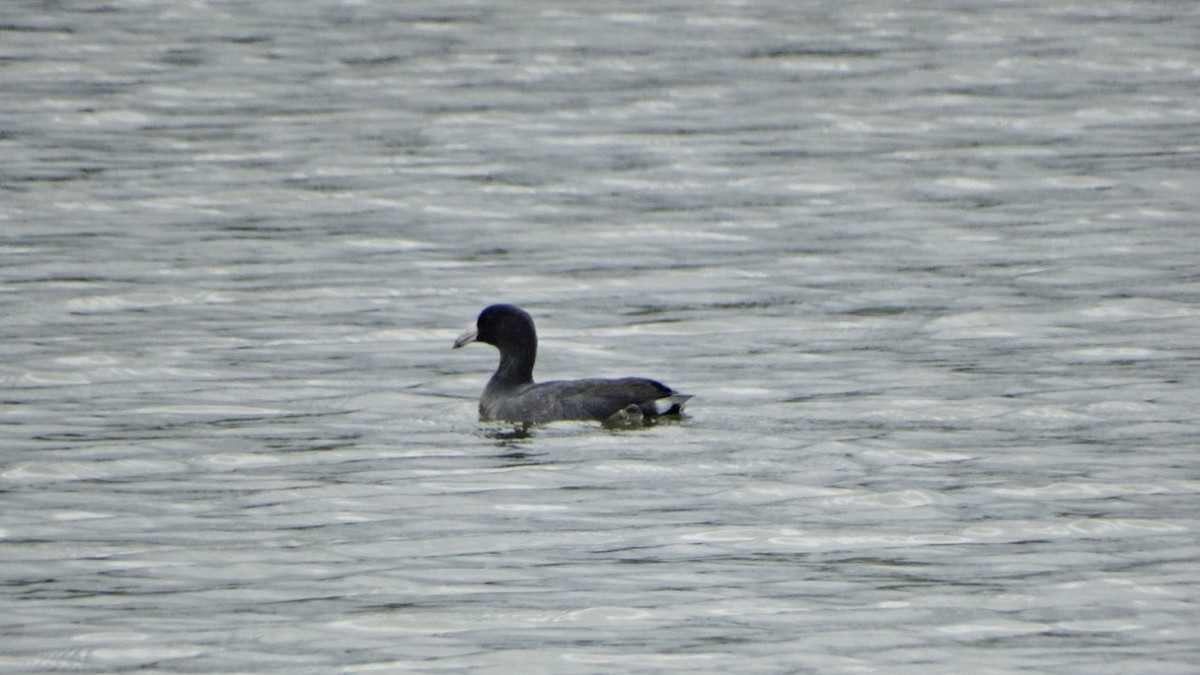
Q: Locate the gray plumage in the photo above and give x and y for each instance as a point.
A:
(512, 396)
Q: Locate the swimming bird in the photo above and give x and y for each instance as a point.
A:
(512, 396)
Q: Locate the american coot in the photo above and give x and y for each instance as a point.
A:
(511, 395)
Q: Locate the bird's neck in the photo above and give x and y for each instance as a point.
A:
(514, 370)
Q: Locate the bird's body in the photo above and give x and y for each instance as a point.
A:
(512, 396)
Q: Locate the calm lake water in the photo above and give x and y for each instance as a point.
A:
(931, 271)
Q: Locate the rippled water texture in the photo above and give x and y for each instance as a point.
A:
(929, 268)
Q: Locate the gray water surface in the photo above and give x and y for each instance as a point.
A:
(930, 270)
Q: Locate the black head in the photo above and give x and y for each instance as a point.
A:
(507, 327)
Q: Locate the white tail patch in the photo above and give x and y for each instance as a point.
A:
(670, 405)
